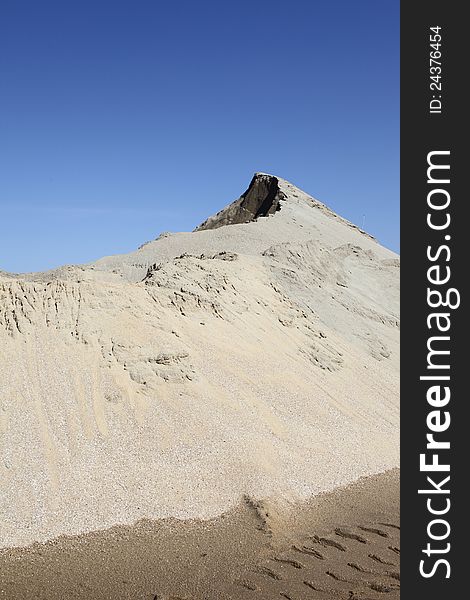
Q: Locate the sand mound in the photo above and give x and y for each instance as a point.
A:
(256, 359)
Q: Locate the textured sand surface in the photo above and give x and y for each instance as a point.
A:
(342, 545)
(256, 359)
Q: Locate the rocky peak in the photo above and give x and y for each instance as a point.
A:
(262, 198)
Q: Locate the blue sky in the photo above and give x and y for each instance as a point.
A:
(121, 119)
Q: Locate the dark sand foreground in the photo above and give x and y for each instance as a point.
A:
(340, 545)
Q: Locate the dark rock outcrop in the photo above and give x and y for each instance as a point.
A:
(262, 198)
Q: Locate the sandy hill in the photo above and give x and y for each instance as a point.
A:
(256, 356)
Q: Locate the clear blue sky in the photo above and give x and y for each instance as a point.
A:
(120, 119)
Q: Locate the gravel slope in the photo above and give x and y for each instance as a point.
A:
(255, 359)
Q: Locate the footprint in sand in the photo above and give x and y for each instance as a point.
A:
(381, 560)
(288, 561)
(249, 585)
(309, 551)
(376, 531)
(349, 535)
(269, 573)
(327, 542)
(337, 577)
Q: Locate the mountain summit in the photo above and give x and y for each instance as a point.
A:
(262, 198)
(265, 196)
